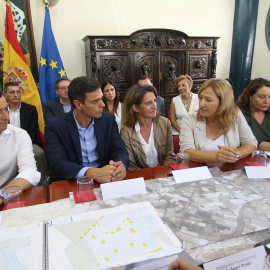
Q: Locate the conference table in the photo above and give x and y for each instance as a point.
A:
(60, 189)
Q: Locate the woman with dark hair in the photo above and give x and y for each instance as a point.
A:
(111, 100)
(218, 132)
(147, 136)
(254, 103)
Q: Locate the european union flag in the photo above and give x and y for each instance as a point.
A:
(51, 67)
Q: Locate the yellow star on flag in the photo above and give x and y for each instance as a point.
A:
(42, 61)
(62, 73)
(53, 64)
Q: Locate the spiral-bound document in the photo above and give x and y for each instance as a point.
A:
(94, 240)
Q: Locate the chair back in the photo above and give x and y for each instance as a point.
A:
(176, 145)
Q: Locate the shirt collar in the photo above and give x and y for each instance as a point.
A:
(16, 110)
(137, 126)
(6, 131)
(78, 126)
(65, 104)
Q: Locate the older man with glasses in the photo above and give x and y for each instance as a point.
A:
(60, 104)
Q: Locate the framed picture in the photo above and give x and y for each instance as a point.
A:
(267, 29)
(21, 13)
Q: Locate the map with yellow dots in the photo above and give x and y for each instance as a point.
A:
(109, 237)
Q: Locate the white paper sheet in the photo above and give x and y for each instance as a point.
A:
(250, 259)
(159, 264)
(193, 174)
(257, 171)
(119, 189)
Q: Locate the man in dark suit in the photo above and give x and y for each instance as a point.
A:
(85, 141)
(25, 116)
(60, 104)
(145, 79)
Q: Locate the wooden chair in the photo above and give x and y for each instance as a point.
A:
(176, 145)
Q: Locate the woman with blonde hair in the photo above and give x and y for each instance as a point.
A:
(254, 103)
(186, 102)
(147, 136)
(218, 132)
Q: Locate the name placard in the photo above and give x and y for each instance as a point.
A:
(250, 259)
(119, 189)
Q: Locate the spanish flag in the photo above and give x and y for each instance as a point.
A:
(16, 69)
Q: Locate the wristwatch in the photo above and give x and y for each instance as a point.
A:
(4, 194)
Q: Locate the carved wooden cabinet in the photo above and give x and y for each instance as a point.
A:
(160, 53)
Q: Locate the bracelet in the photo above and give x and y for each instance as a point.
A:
(4, 194)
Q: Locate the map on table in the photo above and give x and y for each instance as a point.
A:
(93, 240)
(109, 237)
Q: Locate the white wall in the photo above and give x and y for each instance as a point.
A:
(261, 56)
(74, 19)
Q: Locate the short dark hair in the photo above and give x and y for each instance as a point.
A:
(144, 77)
(10, 84)
(81, 85)
(60, 80)
(1, 94)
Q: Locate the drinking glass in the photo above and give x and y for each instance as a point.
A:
(259, 157)
(14, 197)
(183, 158)
(85, 185)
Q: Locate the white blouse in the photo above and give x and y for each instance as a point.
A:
(118, 116)
(148, 148)
(181, 110)
(212, 146)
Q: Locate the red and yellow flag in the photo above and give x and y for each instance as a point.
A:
(16, 69)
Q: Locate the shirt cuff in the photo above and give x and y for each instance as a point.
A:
(82, 172)
(32, 176)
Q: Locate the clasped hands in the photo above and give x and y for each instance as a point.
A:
(228, 154)
(115, 171)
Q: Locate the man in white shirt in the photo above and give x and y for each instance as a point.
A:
(25, 116)
(18, 166)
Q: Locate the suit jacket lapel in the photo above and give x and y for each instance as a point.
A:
(74, 133)
(23, 116)
(201, 134)
(59, 105)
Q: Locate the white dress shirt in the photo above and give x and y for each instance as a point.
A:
(16, 157)
(14, 117)
(148, 148)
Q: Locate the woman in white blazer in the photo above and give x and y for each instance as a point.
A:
(218, 132)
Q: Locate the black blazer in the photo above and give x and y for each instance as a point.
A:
(63, 148)
(52, 108)
(29, 120)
